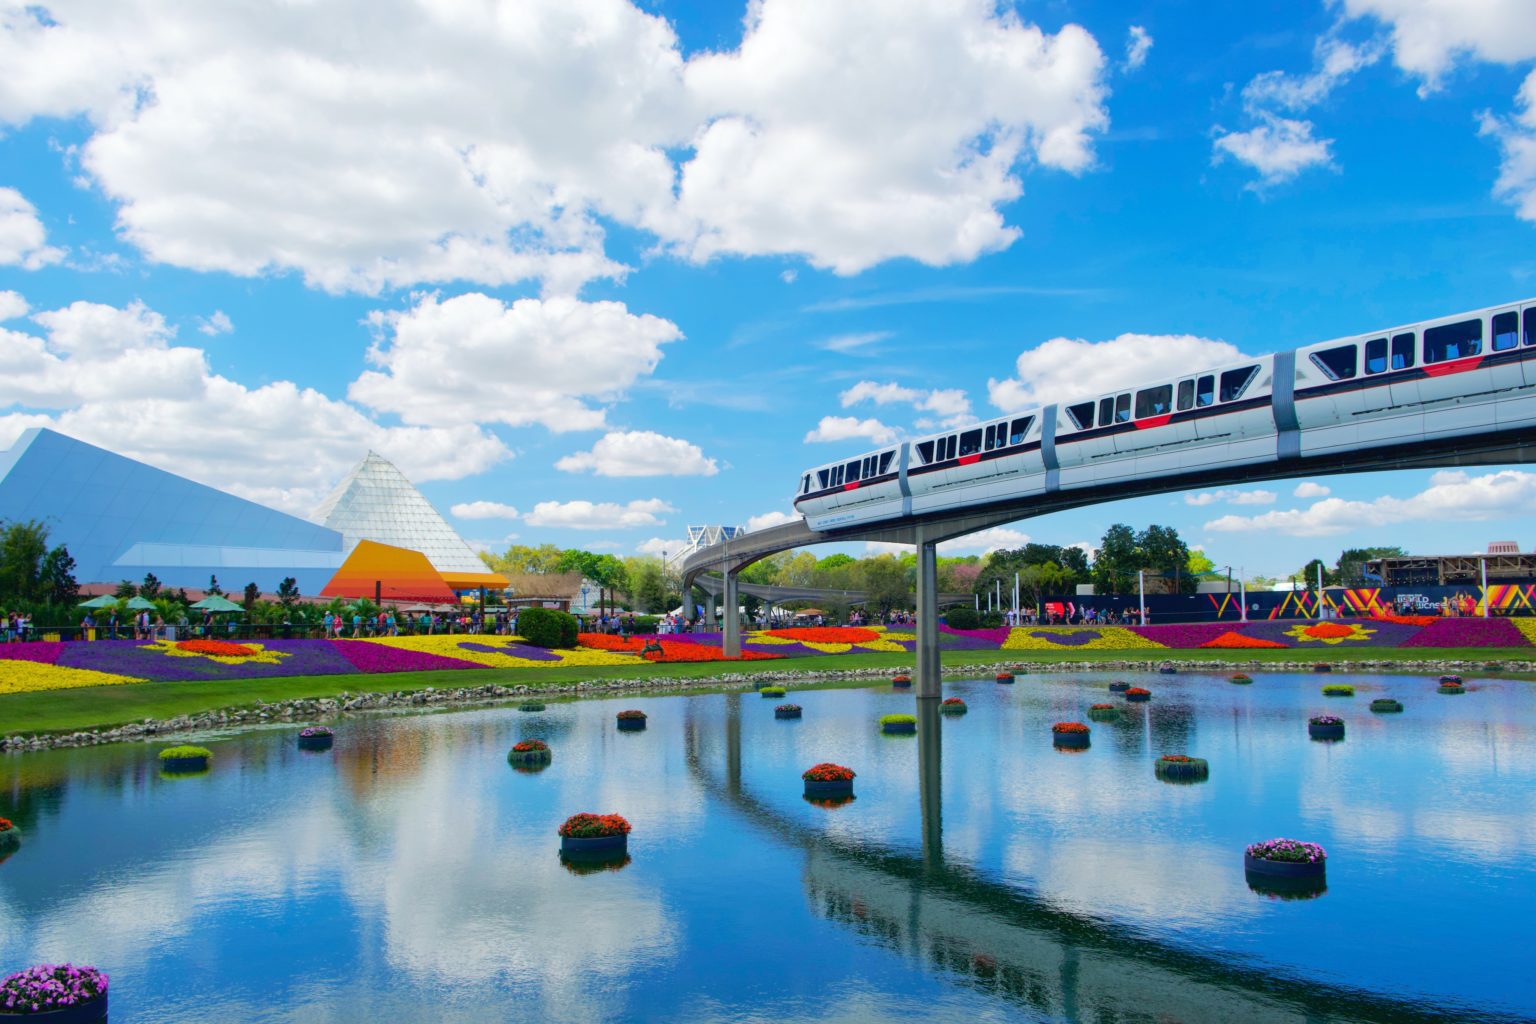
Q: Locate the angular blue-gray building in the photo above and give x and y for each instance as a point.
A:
(122, 519)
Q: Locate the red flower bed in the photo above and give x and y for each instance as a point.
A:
(1069, 727)
(828, 772)
(1328, 630)
(1139, 691)
(675, 651)
(217, 648)
(610, 642)
(594, 826)
(529, 746)
(1408, 620)
(1233, 640)
(826, 634)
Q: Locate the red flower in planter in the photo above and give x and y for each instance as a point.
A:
(1138, 692)
(631, 714)
(5, 825)
(1176, 758)
(954, 702)
(787, 707)
(1101, 707)
(594, 826)
(828, 772)
(1069, 727)
(529, 746)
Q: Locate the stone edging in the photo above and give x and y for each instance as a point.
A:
(307, 709)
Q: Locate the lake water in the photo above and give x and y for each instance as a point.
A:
(410, 874)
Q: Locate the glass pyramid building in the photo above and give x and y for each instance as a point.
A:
(376, 502)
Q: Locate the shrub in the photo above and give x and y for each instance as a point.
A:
(990, 620)
(177, 753)
(644, 623)
(962, 618)
(631, 714)
(6, 825)
(886, 720)
(546, 627)
(1338, 690)
(51, 987)
(828, 772)
(1386, 704)
(773, 691)
(593, 826)
(1290, 851)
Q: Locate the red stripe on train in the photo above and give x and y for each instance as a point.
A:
(1154, 421)
(966, 460)
(1454, 366)
(851, 487)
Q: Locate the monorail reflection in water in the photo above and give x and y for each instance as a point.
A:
(410, 874)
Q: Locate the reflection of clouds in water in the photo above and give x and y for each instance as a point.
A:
(853, 1003)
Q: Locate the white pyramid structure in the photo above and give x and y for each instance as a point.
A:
(376, 502)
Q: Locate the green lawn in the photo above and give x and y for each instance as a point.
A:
(105, 706)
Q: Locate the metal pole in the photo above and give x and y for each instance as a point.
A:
(1242, 591)
(1141, 590)
(1319, 588)
(1015, 599)
(1484, 563)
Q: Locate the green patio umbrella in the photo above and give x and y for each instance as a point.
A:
(217, 603)
(104, 601)
(138, 604)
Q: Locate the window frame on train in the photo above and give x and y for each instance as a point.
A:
(1075, 412)
(1406, 346)
(1438, 338)
(1380, 361)
(1530, 325)
(1154, 401)
(1231, 393)
(1186, 395)
(1020, 429)
(1338, 362)
(1205, 391)
(1512, 334)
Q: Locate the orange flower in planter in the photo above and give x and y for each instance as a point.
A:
(828, 772)
(594, 826)
(1069, 727)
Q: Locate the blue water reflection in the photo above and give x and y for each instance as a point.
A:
(411, 874)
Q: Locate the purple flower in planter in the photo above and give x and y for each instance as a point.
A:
(1470, 633)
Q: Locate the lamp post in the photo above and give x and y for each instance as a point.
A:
(1484, 563)
(1242, 589)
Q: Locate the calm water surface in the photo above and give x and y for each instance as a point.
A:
(410, 875)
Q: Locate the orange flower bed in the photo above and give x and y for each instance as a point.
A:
(826, 634)
(1329, 630)
(609, 642)
(1232, 640)
(681, 652)
(1409, 620)
(217, 648)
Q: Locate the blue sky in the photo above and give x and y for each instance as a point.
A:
(591, 271)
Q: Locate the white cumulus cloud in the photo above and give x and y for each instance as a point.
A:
(1429, 35)
(1311, 489)
(475, 359)
(23, 240)
(1452, 497)
(13, 306)
(768, 519)
(587, 515)
(1062, 369)
(1231, 497)
(948, 402)
(640, 453)
(483, 510)
(1279, 148)
(845, 428)
(1516, 136)
(215, 325)
(1137, 45)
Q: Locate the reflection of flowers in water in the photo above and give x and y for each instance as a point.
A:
(830, 803)
(590, 866)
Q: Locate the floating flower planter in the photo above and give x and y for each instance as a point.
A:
(1005, 677)
(1070, 735)
(1322, 666)
(56, 993)
(1137, 695)
(901, 682)
(1338, 690)
(631, 721)
(952, 706)
(530, 706)
(1103, 712)
(1166, 668)
(898, 725)
(787, 711)
(594, 836)
(1287, 859)
(1450, 680)
(1119, 687)
(530, 752)
(773, 691)
(10, 835)
(185, 760)
(1386, 706)
(828, 781)
(316, 737)
(1181, 768)
(1325, 727)
(1450, 688)
(1240, 678)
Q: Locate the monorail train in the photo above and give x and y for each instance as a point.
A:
(1458, 375)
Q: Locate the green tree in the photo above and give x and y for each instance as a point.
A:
(520, 558)
(835, 561)
(125, 590)
(1042, 580)
(1350, 570)
(150, 589)
(252, 595)
(288, 592)
(1308, 574)
(23, 546)
(648, 586)
(1200, 564)
(1163, 550)
(58, 577)
(1114, 570)
(213, 586)
(885, 583)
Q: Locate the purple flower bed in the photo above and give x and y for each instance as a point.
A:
(51, 987)
(525, 651)
(144, 660)
(1184, 637)
(1470, 633)
(370, 657)
(994, 636)
(33, 650)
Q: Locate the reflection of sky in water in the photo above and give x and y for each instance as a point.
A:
(410, 874)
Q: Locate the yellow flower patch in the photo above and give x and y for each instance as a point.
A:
(261, 657)
(1077, 638)
(35, 677)
(1527, 627)
(506, 653)
(1330, 633)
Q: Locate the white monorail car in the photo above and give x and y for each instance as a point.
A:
(1458, 375)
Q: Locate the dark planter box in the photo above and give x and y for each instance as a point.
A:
(1443, 688)
(316, 742)
(1284, 869)
(1322, 668)
(1119, 687)
(1240, 680)
(1005, 678)
(631, 724)
(828, 790)
(953, 709)
(1138, 698)
(1182, 771)
(600, 846)
(1325, 732)
(94, 1010)
(531, 707)
(785, 714)
(778, 695)
(1071, 740)
(1386, 706)
(1167, 670)
(184, 765)
(901, 684)
(529, 757)
(10, 839)
(899, 729)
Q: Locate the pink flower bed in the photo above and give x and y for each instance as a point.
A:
(1469, 633)
(1182, 636)
(39, 651)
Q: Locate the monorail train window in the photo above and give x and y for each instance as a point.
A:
(1106, 412)
(1205, 391)
(1453, 341)
(1123, 408)
(1235, 382)
(1338, 363)
(1530, 326)
(1506, 331)
(885, 462)
(970, 442)
(1403, 350)
(851, 474)
(991, 440)
(1082, 415)
(925, 450)
(824, 478)
(837, 476)
(869, 468)
(1154, 401)
(1020, 430)
(805, 483)
(1376, 356)
(1186, 394)
(949, 447)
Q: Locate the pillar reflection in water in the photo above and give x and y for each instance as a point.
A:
(930, 756)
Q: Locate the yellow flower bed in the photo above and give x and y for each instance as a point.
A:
(1330, 633)
(506, 654)
(1527, 627)
(261, 657)
(34, 677)
(1104, 638)
(887, 642)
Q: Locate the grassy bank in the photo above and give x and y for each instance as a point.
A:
(105, 706)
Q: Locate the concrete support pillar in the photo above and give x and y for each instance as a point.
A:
(709, 610)
(927, 617)
(731, 641)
